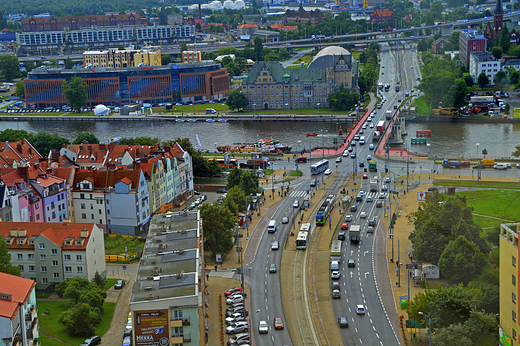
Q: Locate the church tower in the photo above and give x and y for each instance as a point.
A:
(498, 19)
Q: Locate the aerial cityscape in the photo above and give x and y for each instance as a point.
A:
(259, 173)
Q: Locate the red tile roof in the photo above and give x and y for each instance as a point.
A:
(19, 290)
(246, 26)
(21, 152)
(106, 179)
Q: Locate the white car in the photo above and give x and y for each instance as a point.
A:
(363, 215)
(234, 300)
(371, 126)
(345, 153)
(360, 309)
(339, 159)
(371, 147)
(348, 218)
(263, 327)
(275, 245)
(296, 203)
(328, 172)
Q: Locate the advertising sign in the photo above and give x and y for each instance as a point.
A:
(504, 339)
(151, 328)
(516, 113)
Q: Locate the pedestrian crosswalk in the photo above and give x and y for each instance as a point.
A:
(303, 193)
(298, 194)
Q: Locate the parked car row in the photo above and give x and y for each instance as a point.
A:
(236, 317)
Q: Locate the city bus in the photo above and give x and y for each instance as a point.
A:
(306, 227)
(301, 241)
(319, 167)
(335, 251)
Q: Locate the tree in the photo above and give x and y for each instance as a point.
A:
(484, 152)
(5, 260)
(184, 46)
(469, 80)
(200, 166)
(514, 76)
(233, 69)
(238, 196)
(341, 98)
(165, 59)
(44, 142)
(90, 138)
(20, 90)
(98, 280)
(10, 135)
(233, 178)
(75, 92)
(10, 66)
(482, 80)
(218, 223)
(516, 153)
(497, 52)
(237, 100)
(249, 183)
(461, 260)
(501, 77)
(139, 141)
(69, 64)
(214, 169)
(185, 144)
(271, 57)
(78, 321)
(258, 46)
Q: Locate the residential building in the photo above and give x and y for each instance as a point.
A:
(6, 207)
(173, 256)
(382, 15)
(470, 41)
(185, 33)
(498, 22)
(269, 86)
(49, 253)
(183, 176)
(67, 174)
(27, 205)
(116, 58)
(116, 200)
(484, 62)
(246, 29)
(14, 154)
(438, 45)
(32, 24)
(18, 312)
(508, 284)
(175, 19)
(189, 56)
(266, 35)
(187, 82)
(155, 175)
(301, 16)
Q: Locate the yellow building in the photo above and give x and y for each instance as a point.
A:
(191, 56)
(509, 286)
(115, 58)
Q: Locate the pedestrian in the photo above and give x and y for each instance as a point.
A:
(221, 264)
(410, 275)
(216, 268)
(207, 277)
(396, 272)
(409, 256)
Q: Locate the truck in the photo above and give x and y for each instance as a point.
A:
(381, 126)
(455, 164)
(376, 136)
(353, 233)
(258, 163)
(476, 100)
(487, 163)
(388, 115)
(372, 165)
(373, 185)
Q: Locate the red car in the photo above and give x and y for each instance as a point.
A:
(379, 204)
(278, 323)
(365, 176)
(233, 290)
(344, 225)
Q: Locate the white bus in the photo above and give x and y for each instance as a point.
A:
(306, 227)
(335, 251)
(319, 167)
(301, 241)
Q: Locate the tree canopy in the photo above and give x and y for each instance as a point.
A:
(218, 222)
(90, 138)
(247, 181)
(5, 260)
(341, 98)
(44, 142)
(237, 100)
(75, 92)
(10, 66)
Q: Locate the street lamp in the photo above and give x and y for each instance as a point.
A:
(317, 104)
(429, 325)
(223, 108)
(254, 313)
(398, 262)
(286, 105)
(254, 110)
(430, 147)
(477, 150)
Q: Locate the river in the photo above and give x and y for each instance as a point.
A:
(447, 140)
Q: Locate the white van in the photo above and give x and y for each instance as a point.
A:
(500, 166)
(210, 111)
(334, 265)
(271, 227)
(362, 140)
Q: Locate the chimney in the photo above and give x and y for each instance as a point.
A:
(19, 147)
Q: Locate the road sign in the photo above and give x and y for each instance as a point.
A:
(414, 324)
(124, 267)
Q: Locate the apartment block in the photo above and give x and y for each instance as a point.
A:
(509, 286)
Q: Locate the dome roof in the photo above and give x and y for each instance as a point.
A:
(332, 50)
(228, 4)
(239, 4)
(328, 56)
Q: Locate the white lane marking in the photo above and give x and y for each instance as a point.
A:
(366, 274)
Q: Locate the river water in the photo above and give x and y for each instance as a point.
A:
(447, 140)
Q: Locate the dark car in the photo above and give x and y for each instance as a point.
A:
(361, 164)
(341, 236)
(119, 284)
(221, 190)
(335, 285)
(351, 263)
(343, 322)
(353, 208)
(95, 340)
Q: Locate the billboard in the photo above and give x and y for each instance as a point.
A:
(151, 328)
(516, 112)
(504, 339)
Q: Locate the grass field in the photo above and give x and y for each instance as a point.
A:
(422, 107)
(109, 283)
(49, 323)
(116, 245)
(497, 203)
(487, 184)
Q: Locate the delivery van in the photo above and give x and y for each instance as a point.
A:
(210, 111)
(271, 227)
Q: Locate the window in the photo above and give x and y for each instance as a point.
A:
(44, 281)
(177, 315)
(514, 261)
(514, 298)
(54, 263)
(68, 269)
(78, 258)
(56, 275)
(54, 252)
(30, 257)
(82, 205)
(513, 280)
(514, 334)
(84, 216)
(92, 206)
(32, 268)
(513, 315)
(21, 267)
(19, 257)
(37, 216)
(66, 257)
(44, 269)
(42, 258)
(41, 246)
(80, 269)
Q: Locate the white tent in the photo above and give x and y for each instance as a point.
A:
(101, 110)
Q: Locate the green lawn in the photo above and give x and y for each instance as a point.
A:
(45, 340)
(268, 171)
(116, 245)
(42, 295)
(422, 107)
(297, 174)
(109, 283)
(49, 323)
(502, 204)
(483, 221)
(487, 184)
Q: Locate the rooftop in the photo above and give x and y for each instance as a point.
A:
(14, 290)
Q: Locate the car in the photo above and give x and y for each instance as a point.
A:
(384, 188)
(336, 294)
(341, 235)
(351, 263)
(363, 215)
(339, 159)
(518, 165)
(335, 285)
(412, 90)
(236, 317)
(369, 199)
(365, 176)
(345, 153)
(387, 180)
(275, 245)
(263, 327)
(356, 138)
(344, 226)
(234, 300)
(399, 100)
(353, 208)
(278, 323)
(235, 329)
(343, 322)
(328, 172)
(128, 332)
(237, 294)
(353, 155)
(370, 229)
(348, 218)
(272, 268)
(372, 222)
(285, 220)
(361, 164)
(508, 165)
(364, 127)
(360, 309)
(127, 341)
(381, 195)
(353, 144)
(94, 340)
(411, 66)
(350, 149)
(369, 157)
(369, 120)
(379, 204)
(119, 284)
(296, 203)
(335, 275)
(241, 310)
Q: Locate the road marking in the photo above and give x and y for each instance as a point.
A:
(371, 321)
(350, 310)
(267, 308)
(365, 253)
(361, 289)
(351, 275)
(362, 295)
(364, 301)
(377, 335)
(368, 313)
(355, 328)
(360, 341)
(366, 274)
(374, 327)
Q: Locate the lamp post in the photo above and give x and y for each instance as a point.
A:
(317, 104)
(254, 110)
(429, 149)
(286, 106)
(323, 154)
(398, 262)
(429, 325)
(477, 150)
(254, 313)
(223, 108)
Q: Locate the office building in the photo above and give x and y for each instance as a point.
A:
(483, 62)
(189, 56)
(470, 41)
(116, 58)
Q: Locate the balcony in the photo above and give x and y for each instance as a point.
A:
(32, 329)
(181, 338)
(31, 313)
(179, 321)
